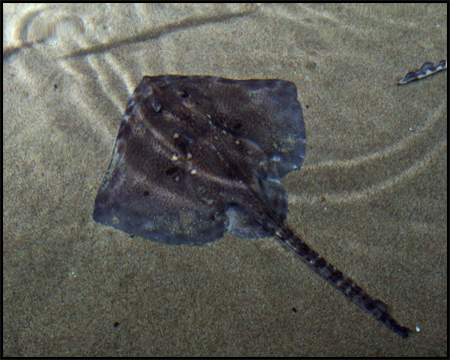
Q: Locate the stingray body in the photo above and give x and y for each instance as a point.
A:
(197, 156)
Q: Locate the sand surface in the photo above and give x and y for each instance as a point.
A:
(371, 197)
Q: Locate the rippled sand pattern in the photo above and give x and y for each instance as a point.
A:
(371, 196)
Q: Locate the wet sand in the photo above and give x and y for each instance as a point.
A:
(371, 196)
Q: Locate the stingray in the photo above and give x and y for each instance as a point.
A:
(197, 156)
(426, 69)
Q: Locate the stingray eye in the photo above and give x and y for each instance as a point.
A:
(156, 105)
(237, 126)
(170, 171)
(146, 193)
(182, 93)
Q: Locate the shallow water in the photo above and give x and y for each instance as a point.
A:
(371, 196)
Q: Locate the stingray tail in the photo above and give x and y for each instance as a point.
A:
(346, 285)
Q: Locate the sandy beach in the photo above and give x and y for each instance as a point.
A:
(371, 196)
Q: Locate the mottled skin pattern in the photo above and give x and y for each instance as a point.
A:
(197, 156)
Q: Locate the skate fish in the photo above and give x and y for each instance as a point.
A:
(197, 156)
